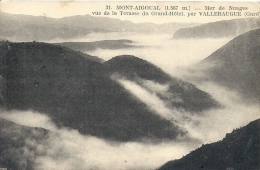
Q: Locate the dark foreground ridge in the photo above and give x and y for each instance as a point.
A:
(76, 91)
(238, 150)
(16, 143)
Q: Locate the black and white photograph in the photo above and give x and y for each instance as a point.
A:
(129, 85)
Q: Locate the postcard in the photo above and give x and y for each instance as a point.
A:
(129, 85)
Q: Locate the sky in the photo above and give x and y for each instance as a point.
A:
(64, 9)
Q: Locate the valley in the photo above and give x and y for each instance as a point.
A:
(103, 93)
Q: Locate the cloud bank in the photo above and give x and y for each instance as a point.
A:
(66, 149)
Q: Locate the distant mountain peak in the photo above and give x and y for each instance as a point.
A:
(219, 29)
(43, 28)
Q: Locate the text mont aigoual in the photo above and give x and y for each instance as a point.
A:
(138, 7)
(129, 8)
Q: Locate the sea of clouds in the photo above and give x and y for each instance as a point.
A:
(67, 149)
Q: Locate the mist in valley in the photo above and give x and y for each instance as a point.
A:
(67, 149)
(159, 49)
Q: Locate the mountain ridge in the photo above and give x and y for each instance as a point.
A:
(238, 150)
(179, 94)
(78, 92)
(236, 65)
(103, 44)
(219, 29)
(75, 92)
(42, 28)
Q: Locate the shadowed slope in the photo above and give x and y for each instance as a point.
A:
(236, 65)
(18, 144)
(178, 93)
(75, 92)
(238, 150)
